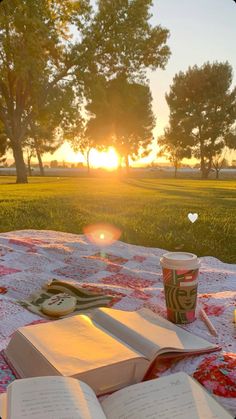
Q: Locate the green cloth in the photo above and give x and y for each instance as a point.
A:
(85, 299)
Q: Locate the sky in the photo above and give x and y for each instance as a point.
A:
(200, 31)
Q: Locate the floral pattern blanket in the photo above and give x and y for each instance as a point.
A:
(132, 275)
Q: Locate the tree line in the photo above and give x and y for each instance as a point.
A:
(78, 72)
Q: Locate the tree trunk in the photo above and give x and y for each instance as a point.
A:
(21, 172)
(176, 171)
(205, 174)
(87, 159)
(205, 166)
(217, 173)
(204, 171)
(41, 168)
(29, 165)
(127, 163)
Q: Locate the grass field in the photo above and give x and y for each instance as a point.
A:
(150, 212)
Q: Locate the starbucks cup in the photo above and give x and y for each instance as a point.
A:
(180, 278)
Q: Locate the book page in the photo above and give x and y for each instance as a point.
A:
(175, 396)
(76, 345)
(52, 398)
(147, 332)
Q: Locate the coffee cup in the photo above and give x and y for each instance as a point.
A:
(180, 278)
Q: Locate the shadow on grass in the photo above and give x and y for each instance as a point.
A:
(214, 192)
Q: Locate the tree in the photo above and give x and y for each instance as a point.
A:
(86, 145)
(203, 109)
(77, 136)
(219, 162)
(3, 144)
(230, 139)
(172, 148)
(36, 57)
(36, 146)
(122, 117)
(29, 155)
(123, 45)
(81, 141)
(52, 120)
(123, 41)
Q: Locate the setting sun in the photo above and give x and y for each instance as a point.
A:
(104, 159)
(107, 159)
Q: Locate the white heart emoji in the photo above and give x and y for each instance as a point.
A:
(192, 217)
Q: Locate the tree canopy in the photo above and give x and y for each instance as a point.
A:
(123, 41)
(122, 117)
(203, 111)
(36, 60)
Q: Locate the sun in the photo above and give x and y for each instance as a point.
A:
(106, 159)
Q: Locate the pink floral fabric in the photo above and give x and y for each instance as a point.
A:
(218, 374)
(132, 274)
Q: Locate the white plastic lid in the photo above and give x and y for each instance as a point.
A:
(180, 260)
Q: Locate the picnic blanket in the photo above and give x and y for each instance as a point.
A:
(132, 275)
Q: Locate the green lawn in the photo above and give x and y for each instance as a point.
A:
(150, 212)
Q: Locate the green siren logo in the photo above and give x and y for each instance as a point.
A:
(180, 294)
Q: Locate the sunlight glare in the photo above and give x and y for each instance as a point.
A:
(102, 234)
(106, 159)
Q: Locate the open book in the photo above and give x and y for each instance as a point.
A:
(107, 349)
(174, 396)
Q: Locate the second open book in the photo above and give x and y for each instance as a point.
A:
(107, 349)
(175, 396)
